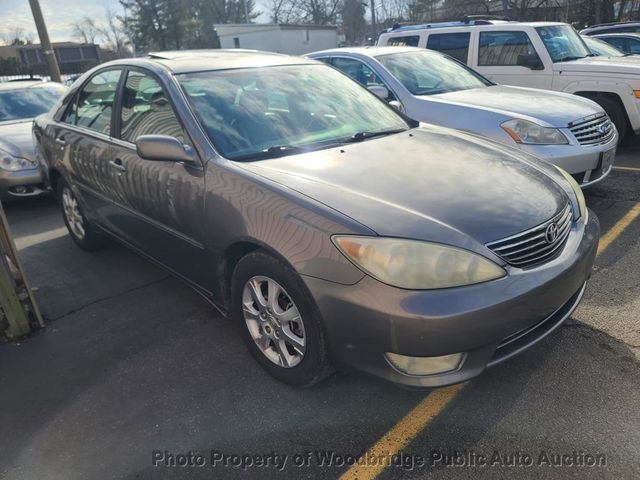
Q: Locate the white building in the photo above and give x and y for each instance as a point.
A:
(289, 39)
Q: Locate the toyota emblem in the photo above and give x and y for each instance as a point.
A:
(551, 234)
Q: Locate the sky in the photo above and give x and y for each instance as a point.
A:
(59, 15)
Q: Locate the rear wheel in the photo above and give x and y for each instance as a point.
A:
(280, 323)
(80, 229)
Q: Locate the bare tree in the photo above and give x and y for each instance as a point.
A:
(14, 36)
(354, 24)
(315, 12)
(522, 9)
(109, 33)
(112, 30)
(86, 30)
(393, 11)
(282, 11)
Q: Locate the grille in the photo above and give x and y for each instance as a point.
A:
(533, 246)
(593, 131)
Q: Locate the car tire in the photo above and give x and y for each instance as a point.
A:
(82, 232)
(617, 115)
(284, 335)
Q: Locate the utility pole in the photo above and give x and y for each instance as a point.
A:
(374, 27)
(45, 43)
(246, 12)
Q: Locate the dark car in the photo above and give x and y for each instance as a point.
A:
(334, 230)
(628, 43)
(613, 27)
(20, 102)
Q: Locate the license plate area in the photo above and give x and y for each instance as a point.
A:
(606, 159)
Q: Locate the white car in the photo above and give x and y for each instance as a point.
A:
(546, 55)
(571, 132)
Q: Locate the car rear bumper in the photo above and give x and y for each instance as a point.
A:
(20, 184)
(487, 323)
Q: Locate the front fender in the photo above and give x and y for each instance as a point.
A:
(621, 89)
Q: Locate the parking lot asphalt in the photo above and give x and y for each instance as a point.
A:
(135, 368)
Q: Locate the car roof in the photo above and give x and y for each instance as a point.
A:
(373, 51)
(613, 24)
(187, 61)
(22, 84)
(620, 35)
(483, 23)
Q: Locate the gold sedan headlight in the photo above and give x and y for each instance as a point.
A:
(417, 265)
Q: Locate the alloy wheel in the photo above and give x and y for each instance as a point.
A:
(274, 321)
(72, 213)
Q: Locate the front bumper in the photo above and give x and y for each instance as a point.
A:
(489, 322)
(20, 184)
(583, 162)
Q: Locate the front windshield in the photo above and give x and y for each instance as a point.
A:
(601, 48)
(250, 113)
(429, 73)
(563, 43)
(27, 103)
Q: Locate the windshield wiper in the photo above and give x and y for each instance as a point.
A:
(570, 59)
(271, 152)
(360, 136)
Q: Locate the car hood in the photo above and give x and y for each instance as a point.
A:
(551, 109)
(15, 138)
(609, 66)
(632, 59)
(430, 183)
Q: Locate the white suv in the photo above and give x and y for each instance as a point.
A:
(545, 55)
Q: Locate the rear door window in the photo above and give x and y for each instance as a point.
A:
(455, 45)
(95, 102)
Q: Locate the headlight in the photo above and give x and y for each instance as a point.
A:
(13, 164)
(582, 203)
(417, 265)
(524, 131)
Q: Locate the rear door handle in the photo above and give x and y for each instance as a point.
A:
(61, 141)
(117, 164)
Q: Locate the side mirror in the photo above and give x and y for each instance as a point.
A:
(531, 62)
(164, 148)
(396, 105)
(379, 91)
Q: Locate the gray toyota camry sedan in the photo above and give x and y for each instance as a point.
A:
(333, 230)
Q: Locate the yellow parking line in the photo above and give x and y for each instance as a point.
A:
(620, 226)
(627, 169)
(417, 419)
(401, 433)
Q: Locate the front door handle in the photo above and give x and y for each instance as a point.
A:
(117, 164)
(61, 141)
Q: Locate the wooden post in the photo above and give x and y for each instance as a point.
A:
(10, 303)
(16, 298)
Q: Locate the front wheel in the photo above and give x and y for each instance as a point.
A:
(617, 114)
(80, 229)
(280, 323)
